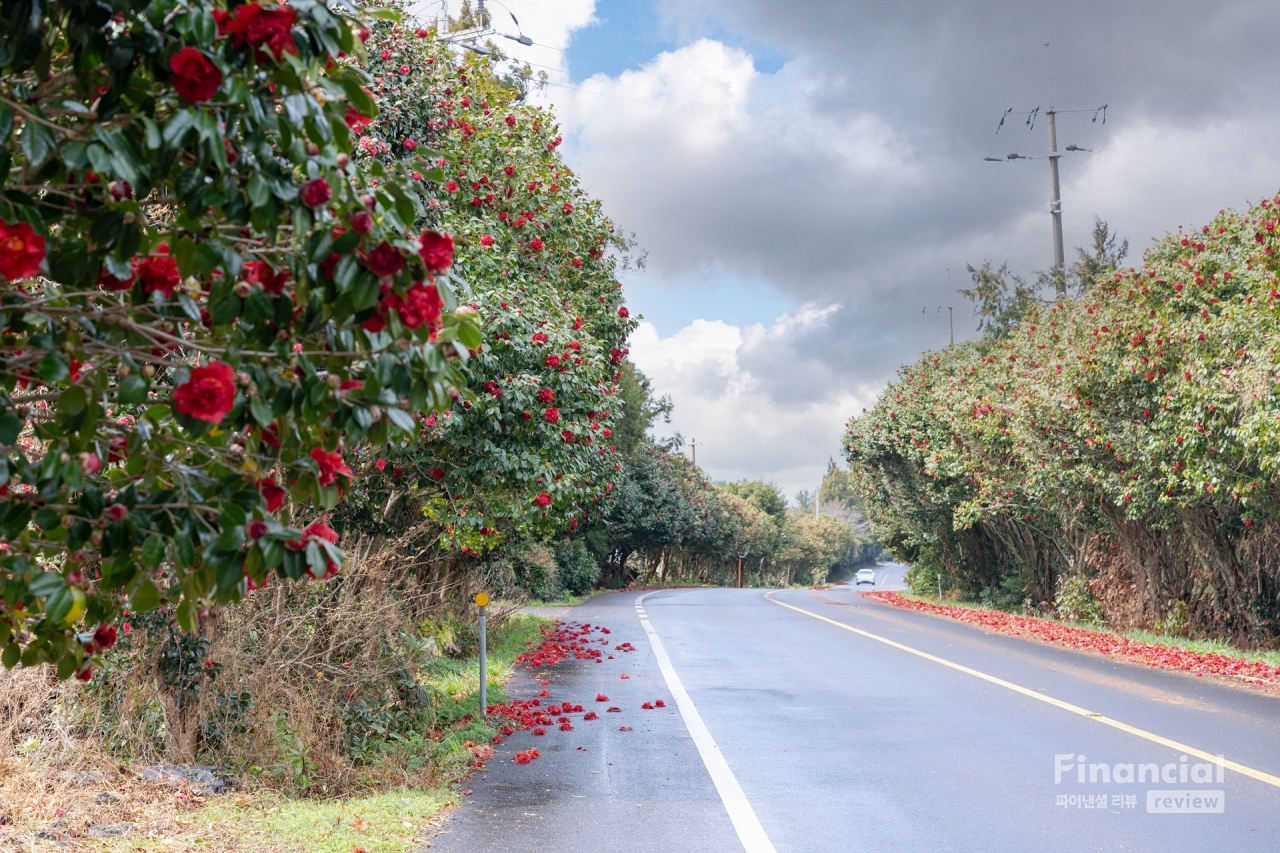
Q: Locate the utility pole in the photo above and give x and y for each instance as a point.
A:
(1055, 207)
(951, 324)
(1055, 203)
(694, 443)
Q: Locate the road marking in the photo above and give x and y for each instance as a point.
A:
(744, 819)
(1066, 706)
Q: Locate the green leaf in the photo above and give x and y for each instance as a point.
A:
(133, 389)
(46, 584)
(184, 252)
(10, 656)
(53, 367)
(401, 419)
(187, 617)
(261, 411)
(38, 142)
(6, 123)
(358, 97)
(146, 597)
(152, 551)
(10, 427)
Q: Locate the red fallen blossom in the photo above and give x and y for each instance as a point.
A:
(1101, 642)
(625, 676)
(256, 529)
(208, 394)
(436, 251)
(331, 466)
(272, 493)
(624, 728)
(260, 272)
(577, 709)
(538, 732)
(566, 727)
(625, 647)
(591, 715)
(315, 192)
(605, 631)
(600, 697)
(385, 259)
(507, 731)
(613, 709)
(194, 76)
(525, 757)
(647, 706)
(553, 710)
(158, 272)
(268, 31)
(21, 251)
(544, 693)
(543, 499)
(658, 703)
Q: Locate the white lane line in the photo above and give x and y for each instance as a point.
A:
(744, 819)
(1242, 769)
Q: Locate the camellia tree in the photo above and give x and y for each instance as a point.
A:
(1129, 435)
(533, 453)
(205, 304)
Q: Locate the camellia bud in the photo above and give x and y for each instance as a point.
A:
(66, 522)
(75, 578)
(118, 512)
(96, 538)
(454, 394)
(243, 289)
(313, 149)
(244, 378)
(342, 160)
(369, 202)
(465, 311)
(149, 370)
(334, 380)
(64, 458)
(124, 370)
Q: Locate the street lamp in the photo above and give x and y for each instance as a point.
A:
(742, 555)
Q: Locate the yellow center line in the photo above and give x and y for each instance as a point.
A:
(1066, 706)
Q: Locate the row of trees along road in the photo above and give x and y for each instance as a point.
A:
(1111, 456)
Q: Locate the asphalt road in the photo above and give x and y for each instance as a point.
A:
(818, 738)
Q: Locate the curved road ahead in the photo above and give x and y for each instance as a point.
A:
(793, 733)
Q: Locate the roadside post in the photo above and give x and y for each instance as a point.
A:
(939, 601)
(482, 601)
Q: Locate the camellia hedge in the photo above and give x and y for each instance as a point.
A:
(532, 454)
(206, 302)
(1129, 437)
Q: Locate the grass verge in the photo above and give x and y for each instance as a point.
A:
(55, 789)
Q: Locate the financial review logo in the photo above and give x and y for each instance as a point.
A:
(1107, 784)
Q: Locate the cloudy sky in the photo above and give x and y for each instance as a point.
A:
(807, 177)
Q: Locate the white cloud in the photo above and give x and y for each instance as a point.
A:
(722, 403)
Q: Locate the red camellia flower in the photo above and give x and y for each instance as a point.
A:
(623, 312)
(356, 120)
(110, 282)
(551, 416)
(553, 361)
(486, 239)
(362, 222)
(546, 395)
(260, 272)
(21, 251)
(452, 187)
(159, 273)
(272, 493)
(385, 259)
(510, 120)
(567, 436)
(331, 466)
(256, 529)
(268, 31)
(316, 192)
(543, 499)
(104, 638)
(409, 145)
(436, 251)
(194, 76)
(209, 394)
(420, 304)
(536, 244)
(437, 473)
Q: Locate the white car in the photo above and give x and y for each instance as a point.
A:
(865, 576)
